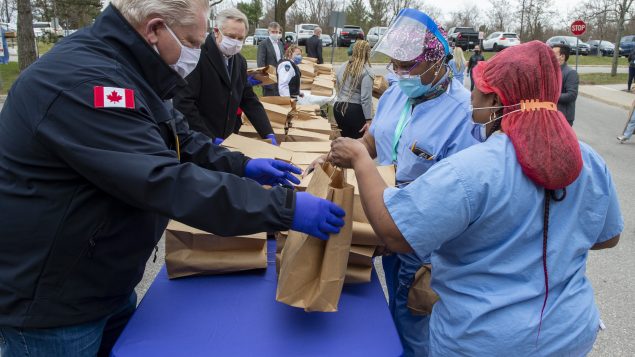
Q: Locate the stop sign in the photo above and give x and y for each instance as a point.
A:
(578, 27)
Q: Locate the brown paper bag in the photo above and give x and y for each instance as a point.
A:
(309, 60)
(310, 146)
(299, 135)
(379, 86)
(256, 148)
(190, 251)
(267, 75)
(313, 271)
(358, 274)
(421, 297)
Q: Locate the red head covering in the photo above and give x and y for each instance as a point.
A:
(546, 147)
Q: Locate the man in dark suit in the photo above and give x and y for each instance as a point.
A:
(270, 53)
(218, 85)
(314, 45)
(570, 82)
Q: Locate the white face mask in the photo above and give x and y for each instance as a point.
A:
(187, 60)
(229, 46)
(275, 37)
(480, 129)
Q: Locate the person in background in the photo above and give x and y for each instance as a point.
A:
(270, 53)
(102, 161)
(474, 60)
(509, 222)
(570, 82)
(288, 41)
(314, 45)
(630, 126)
(631, 69)
(458, 64)
(219, 84)
(289, 73)
(353, 107)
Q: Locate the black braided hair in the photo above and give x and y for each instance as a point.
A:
(549, 195)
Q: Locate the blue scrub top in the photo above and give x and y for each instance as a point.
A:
(440, 127)
(482, 219)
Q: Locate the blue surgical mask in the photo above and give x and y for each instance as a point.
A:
(297, 59)
(413, 88)
(479, 131)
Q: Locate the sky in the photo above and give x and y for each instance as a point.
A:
(448, 6)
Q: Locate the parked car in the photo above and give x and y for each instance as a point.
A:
(627, 43)
(583, 48)
(260, 35)
(500, 40)
(464, 37)
(348, 34)
(374, 34)
(249, 41)
(304, 31)
(41, 29)
(326, 40)
(601, 47)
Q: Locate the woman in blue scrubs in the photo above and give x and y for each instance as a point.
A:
(509, 222)
(420, 121)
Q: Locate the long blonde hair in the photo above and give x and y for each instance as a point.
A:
(355, 69)
(459, 58)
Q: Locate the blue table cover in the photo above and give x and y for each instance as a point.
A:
(237, 315)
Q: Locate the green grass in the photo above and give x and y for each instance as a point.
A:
(603, 78)
(8, 73)
(582, 60)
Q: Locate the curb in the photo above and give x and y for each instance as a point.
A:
(605, 101)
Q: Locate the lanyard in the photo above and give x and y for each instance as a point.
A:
(403, 122)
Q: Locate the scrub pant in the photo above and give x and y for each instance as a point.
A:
(95, 338)
(414, 330)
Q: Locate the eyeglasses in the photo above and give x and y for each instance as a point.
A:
(400, 72)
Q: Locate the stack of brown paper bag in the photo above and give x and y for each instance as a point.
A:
(266, 75)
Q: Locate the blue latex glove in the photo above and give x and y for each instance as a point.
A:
(273, 139)
(218, 141)
(316, 217)
(253, 81)
(272, 172)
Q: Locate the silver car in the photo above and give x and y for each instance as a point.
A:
(374, 34)
(326, 40)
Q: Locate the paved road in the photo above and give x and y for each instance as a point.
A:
(610, 271)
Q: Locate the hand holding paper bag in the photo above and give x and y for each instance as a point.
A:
(316, 217)
(272, 172)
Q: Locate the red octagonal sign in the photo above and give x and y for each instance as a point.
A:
(578, 27)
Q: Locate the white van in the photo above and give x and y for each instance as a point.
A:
(304, 31)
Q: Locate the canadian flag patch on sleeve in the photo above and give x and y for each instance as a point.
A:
(111, 97)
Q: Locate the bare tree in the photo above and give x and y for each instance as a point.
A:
(468, 16)
(7, 10)
(500, 15)
(378, 12)
(536, 17)
(621, 10)
(26, 38)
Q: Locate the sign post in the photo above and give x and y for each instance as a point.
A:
(578, 28)
(338, 19)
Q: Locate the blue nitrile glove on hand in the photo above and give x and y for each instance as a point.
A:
(273, 139)
(253, 81)
(317, 217)
(218, 141)
(272, 172)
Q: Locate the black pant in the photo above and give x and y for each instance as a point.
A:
(471, 82)
(631, 76)
(270, 90)
(352, 121)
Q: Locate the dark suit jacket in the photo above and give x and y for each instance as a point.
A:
(267, 54)
(314, 48)
(570, 82)
(212, 96)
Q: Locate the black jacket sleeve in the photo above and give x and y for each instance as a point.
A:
(200, 150)
(252, 107)
(122, 152)
(318, 48)
(261, 57)
(186, 101)
(569, 87)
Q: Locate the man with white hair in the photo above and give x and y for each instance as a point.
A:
(94, 161)
(314, 45)
(218, 86)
